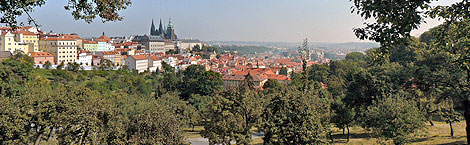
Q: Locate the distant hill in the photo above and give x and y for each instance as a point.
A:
(327, 47)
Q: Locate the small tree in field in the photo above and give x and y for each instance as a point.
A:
(394, 118)
(448, 114)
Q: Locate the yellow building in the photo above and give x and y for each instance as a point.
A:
(63, 49)
(29, 38)
(9, 42)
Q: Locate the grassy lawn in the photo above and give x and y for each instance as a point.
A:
(43, 73)
(437, 134)
(190, 133)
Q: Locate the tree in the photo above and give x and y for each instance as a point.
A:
(355, 56)
(394, 21)
(196, 48)
(318, 72)
(230, 116)
(106, 64)
(271, 84)
(284, 71)
(196, 80)
(448, 114)
(14, 74)
(47, 65)
(295, 117)
(75, 67)
(61, 65)
(86, 10)
(394, 117)
(343, 117)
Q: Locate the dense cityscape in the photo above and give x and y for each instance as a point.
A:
(147, 52)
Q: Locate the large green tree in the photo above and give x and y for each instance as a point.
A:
(107, 10)
(231, 115)
(296, 117)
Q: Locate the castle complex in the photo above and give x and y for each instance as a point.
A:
(168, 33)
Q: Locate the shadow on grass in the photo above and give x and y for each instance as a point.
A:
(340, 138)
(454, 143)
(424, 139)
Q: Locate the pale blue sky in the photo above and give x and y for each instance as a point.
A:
(236, 20)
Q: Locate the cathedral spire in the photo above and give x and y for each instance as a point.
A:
(160, 28)
(152, 29)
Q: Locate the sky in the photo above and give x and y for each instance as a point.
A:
(224, 20)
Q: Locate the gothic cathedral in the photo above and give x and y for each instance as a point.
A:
(168, 33)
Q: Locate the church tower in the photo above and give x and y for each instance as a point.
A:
(152, 29)
(161, 31)
(170, 31)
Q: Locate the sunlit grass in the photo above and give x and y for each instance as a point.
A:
(437, 134)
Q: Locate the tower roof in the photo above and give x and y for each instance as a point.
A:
(170, 25)
(152, 29)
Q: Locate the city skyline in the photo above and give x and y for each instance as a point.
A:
(208, 20)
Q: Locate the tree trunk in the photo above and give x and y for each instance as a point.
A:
(331, 137)
(467, 118)
(343, 130)
(466, 105)
(451, 130)
(50, 133)
(347, 127)
(38, 139)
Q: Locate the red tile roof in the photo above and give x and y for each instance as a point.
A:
(154, 58)
(104, 38)
(57, 39)
(25, 32)
(109, 52)
(84, 41)
(40, 54)
(234, 77)
(139, 57)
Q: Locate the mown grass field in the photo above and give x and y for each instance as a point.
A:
(439, 134)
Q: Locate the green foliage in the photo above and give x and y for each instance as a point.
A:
(271, 84)
(60, 66)
(355, 56)
(86, 10)
(394, 117)
(284, 71)
(392, 21)
(230, 116)
(294, 117)
(106, 64)
(206, 49)
(318, 72)
(14, 75)
(47, 65)
(199, 81)
(449, 114)
(74, 67)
